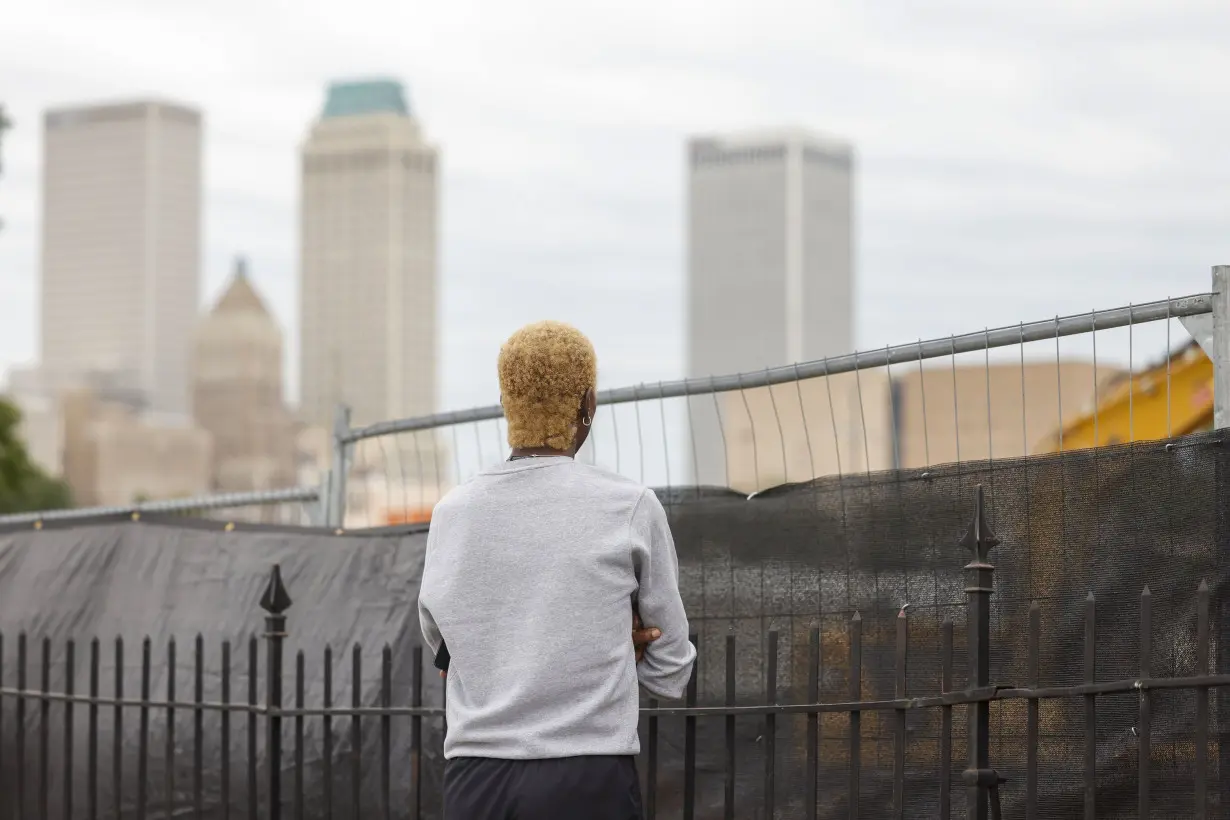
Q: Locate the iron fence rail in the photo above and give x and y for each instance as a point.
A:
(1023, 333)
(27, 779)
(963, 697)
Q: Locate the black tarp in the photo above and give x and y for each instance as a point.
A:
(790, 560)
(167, 578)
(1108, 521)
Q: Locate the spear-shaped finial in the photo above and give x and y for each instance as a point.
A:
(979, 539)
(276, 599)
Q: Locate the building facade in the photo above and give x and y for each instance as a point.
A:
(368, 258)
(237, 392)
(770, 267)
(121, 245)
(115, 455)
(850, 424)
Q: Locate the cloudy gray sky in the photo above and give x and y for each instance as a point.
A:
(1015, 160)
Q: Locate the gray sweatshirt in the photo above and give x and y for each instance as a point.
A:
(530, 572)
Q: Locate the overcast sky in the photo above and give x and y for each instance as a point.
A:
(1015, 159)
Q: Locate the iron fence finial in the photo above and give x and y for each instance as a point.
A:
(276, 599)
(979, 539)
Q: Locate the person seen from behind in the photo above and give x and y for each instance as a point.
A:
(531, 571)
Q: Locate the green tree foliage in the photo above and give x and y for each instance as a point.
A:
(23, 486)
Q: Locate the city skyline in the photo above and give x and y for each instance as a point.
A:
(369, 121)
(1028, 184)
(281, 307)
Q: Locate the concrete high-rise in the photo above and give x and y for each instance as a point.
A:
(770, 261)
(368, 258)
(770, 251)
(121, 246)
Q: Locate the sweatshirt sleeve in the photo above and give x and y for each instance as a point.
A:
(667, 665)
(431, 632)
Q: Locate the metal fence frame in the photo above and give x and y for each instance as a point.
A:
(1207, 316)
(221, 501)
(981, 780)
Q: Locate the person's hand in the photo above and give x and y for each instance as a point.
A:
(642, 636)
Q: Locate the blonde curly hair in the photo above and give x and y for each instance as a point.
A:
(545, 369)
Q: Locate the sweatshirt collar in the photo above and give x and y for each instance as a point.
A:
(524, 464)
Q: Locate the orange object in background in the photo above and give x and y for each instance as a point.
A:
(413, 515)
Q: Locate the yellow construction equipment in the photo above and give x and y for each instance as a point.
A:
(1172, 398)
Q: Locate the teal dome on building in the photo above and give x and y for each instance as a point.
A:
(356, 98)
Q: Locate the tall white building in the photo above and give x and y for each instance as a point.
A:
(121, 247)
(770, 262)
(368, 245)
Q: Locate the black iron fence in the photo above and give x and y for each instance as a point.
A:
(254, 750)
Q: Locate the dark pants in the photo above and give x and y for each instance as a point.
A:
(569, 788)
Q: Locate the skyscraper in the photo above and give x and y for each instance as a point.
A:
(770, 260)
(368, 240)
(121, 246)
(237, 391)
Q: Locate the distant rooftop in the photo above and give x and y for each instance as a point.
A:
(240, 296)
(356, 98)
(69, 116)
(774, 136)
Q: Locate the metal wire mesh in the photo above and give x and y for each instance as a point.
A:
(1100, 378)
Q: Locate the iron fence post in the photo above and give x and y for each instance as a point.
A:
(1219, 353)
(981, 781)
(275, 602)
(335, 499)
